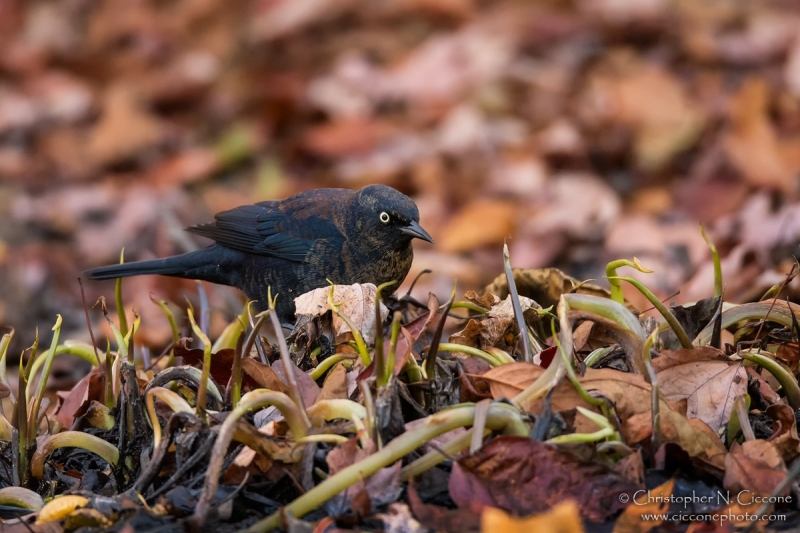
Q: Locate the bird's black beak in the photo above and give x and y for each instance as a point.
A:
(415, 231)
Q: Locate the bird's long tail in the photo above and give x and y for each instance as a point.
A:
(182, 266)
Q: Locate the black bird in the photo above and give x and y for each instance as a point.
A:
(294, 245)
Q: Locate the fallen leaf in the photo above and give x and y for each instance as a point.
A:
(357, 304)
(277, 19)
(221, 362)
(632, 468)
(186, 167)
(706, 378)
(784, 431)
(495, 328)
(309, 390)
(543, 285)
(440, 518)
(482, 222)
(399, 520)
(262, 375)
(344, 137)
(631, 396)
(646, 507)
(755, 466)
(564, 517)
(125, 129)
(752, 144)
(650, 100)
(87, 389)
(506, 381)
(380, 488)
(525, 476)
(335, 385)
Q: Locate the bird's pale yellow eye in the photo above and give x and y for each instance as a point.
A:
(385, 217)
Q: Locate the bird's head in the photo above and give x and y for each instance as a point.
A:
(386, 217)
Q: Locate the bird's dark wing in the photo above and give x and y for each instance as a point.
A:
(287, 229)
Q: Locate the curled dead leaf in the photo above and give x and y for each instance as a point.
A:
(357, 304)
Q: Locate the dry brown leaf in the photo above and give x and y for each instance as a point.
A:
(564, 517)
(579, 205)
(380, 488)
(487, 300)
(345, 137)
(186, 167)
(543, 285)
(263, 375)
(335, 385)
(752, 144)
(506, 381)
(281, 18)
(631, 396)
(632, 468)
(357, 304)
(495, 329)
(482, 222)
(124, 130)
(87, 389)
(707, 379)
(526, 476)
(650, 100)
(309, 390)
(784, 431)
(767, 392)
(755, 466)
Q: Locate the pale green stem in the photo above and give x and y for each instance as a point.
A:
(172, 399)
(288, 364)
(230, 334)
(325, 410)
(123, 321)
(717, 264)
(611, 274)
(328, 438)
(328, 363)
(469, 350)
(573, 438)
(573, 378)
(413, 370)
(21, 497)
(784, 376)
(469, 305)
(380, 359)
(173, 325)
(666, 313)
(388, 371)
(4, 343)
(596, 355)
(497, 419)
(654, 406)
(554, 373)
(200, 407)
(361, 346)
(253, 400)
(33, 424)
(77, 439)
(778, 313)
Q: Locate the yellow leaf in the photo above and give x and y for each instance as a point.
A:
(651, 502)
(563, 518)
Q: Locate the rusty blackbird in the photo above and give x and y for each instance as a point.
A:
(294, 245)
